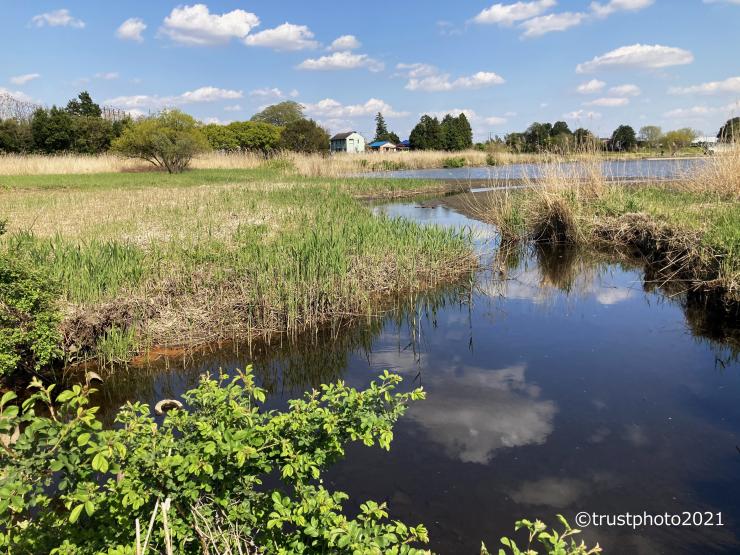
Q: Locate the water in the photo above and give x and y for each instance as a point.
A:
(561, 384)
(622, 169)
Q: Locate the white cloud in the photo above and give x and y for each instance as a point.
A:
(341, 60)
(57, 18)
(495, 120)
(273, 92)
(638, 56)
(609, 102)
(131, 29)
(18, 95)
(538, 26)
(581, 115)
(731, 85)
(203, 94)
(698, 112)
(234, 108)
(330, 108)
(196, 26)
(722, 1)
(108, 76)
(625, 90)
(23, 79)
(285, 37)
(345, 42)
(605, 10)
(425, 77)
(508, 14)
(591, 87)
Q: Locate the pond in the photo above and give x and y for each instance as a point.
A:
(613, 169)
(563, 382)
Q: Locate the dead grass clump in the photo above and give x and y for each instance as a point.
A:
(551, 218)
(718, 174)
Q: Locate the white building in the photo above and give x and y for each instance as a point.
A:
(351, 141)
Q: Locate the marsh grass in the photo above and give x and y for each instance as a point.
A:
(218, 254)
(689, 230)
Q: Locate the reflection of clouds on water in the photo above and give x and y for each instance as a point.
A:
(612, 295)
(635, 435)
(599, 435)
(560, 492)
(480, 411)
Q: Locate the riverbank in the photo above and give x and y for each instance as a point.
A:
(150, 259)
(687, 230)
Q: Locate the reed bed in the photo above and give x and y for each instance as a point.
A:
(184, 265)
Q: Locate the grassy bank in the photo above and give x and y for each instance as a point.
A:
(688, 230)
(150, 259)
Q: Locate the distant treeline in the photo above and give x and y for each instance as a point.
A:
(452, 133)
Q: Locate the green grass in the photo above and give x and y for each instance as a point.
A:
(211, 254)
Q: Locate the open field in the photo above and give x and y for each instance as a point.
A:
(308, 165)
(689, 229)
(154, 259)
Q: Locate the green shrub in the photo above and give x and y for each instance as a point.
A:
(454, 162)
(554, 543)
(69, 486)
(29, 320)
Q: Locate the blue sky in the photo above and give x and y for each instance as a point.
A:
(672, 63)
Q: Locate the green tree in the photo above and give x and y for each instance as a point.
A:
(52, 130)
(84, 106)
(220, 137)
(730, 131)
(516, 142)
(91, 135)
(256, 136)
(678, 139)
(15, 136)
(381, 129)
(651, 135)
(623, 138)
(280, 114)
(559, 128)
(304, 135)
(168, 140)
(537, 137)
(427, 134)
(585, 141)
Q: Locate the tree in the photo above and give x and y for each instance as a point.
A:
(381, 130)
(15, 136)
(52, 130)
(220, 137)
(623, 138)
(584, 140)
(730, 131)
(83, 105)
(91, 135)
(168, 140)
(427, 134)
(456, 132)
(678, 139)
(304, 135)
(651, 135)
(537, 137)
(559, 128)
(516, 142)
(280, 114)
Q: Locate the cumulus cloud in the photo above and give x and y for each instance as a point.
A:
(580, 115)
(609, 102)
(538, 26)
(699, 112)
(203, 94)
(131, 29)
(342, 60)
(18, 95)
(625, 90)
(196, 26)
(285, 37)
(508, 14)
(108, 75)
(330, 108)
(643, 56)
(426, 77)
(233, 108)
(23, 79)
(605, 10)
(57, 18)
(731, 85)
(345, 42)
(591, 87)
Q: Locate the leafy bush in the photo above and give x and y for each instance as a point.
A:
(243, 136)
(554, 543)
(304, 135)
(455, 162)
(69, 486)
(29, 321)
(168, 140)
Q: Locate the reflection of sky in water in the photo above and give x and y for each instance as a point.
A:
(562, 385)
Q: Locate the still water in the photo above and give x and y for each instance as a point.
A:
(560, 384)
(613, 169)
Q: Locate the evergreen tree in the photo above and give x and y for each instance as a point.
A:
(730, 131)
(623, 138)
(84, 106)
(381, 129)
(427, 134)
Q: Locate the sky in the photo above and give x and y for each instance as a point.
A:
(672, 63)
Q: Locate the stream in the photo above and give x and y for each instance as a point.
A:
(563, 382)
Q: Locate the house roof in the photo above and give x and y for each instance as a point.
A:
(380, 143)
(341, 136)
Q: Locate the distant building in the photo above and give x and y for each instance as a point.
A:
(404, 145)
(705, 141)
(382, 146)
(351, 141)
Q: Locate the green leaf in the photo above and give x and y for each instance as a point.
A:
(75, 514)
(82, 439)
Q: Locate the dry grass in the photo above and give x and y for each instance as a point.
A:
(37, 164)
(718, 175)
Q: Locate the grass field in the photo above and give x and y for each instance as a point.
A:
(156, 259)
